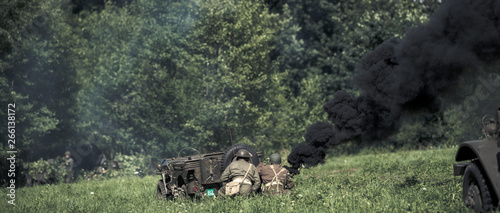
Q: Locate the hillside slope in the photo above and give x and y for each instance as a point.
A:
(414, 181)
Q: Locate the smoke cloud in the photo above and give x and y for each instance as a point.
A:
(405, 76)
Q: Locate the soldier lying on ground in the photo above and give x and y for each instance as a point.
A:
(276, 179)
(241, 173)
(98, 172)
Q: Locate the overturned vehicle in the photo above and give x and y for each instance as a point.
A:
(196, 175)
(481, 174)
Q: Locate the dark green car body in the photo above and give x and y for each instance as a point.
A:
(481, 171)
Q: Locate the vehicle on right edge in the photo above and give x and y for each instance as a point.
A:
(481, 172)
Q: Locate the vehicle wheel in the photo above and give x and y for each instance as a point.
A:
(476, 192)
(228, 156)
(160, 194)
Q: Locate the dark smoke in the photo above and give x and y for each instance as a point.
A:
(313, 151)
(406, 76)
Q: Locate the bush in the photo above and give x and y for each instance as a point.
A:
(46, 171)
(138, 164)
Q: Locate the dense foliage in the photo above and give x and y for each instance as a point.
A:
(154, 77)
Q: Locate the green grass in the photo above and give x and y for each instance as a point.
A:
(409, 181)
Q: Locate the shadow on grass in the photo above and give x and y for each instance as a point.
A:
(409, 182)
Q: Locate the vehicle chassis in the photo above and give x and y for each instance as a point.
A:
(196, 175)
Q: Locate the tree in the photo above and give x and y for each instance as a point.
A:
(336, 34)
(231, 43)
(35, 74)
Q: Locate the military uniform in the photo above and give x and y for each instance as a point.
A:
(98, 172)
(276, 179)
(236, 171)
(490, 129)
(68, 164)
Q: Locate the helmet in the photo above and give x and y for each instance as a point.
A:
(67, 153)
(492, 127)
(243, 153)
(275, 158)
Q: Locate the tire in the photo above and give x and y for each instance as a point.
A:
(159, 191)
(476, 189)
(228, 156)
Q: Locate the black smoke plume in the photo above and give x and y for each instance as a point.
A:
(404, 76)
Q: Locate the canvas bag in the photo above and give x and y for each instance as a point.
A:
(233, 187)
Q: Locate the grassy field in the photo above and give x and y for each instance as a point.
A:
(409, 181)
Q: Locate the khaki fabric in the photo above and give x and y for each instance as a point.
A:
(281, 184)
(237, 169)
(68, 164)
(244, 190)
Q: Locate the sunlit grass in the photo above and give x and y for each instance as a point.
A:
(409, 181)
